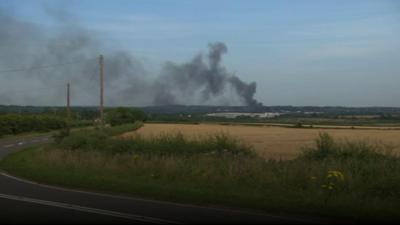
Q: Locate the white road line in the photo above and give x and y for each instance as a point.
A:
(20, 143)
(286, 218)
(88, 209)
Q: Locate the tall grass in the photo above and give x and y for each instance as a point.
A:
(105, 140)
(178, 144)
(327, 148)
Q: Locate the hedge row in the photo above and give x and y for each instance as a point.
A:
(15, 124)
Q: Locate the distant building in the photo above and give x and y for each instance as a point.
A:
(233, 115)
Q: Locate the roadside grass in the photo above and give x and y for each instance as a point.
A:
(346, 180)
(10, 138)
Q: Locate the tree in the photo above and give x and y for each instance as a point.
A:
(121, 115)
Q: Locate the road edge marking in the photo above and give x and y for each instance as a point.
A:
(88, 209)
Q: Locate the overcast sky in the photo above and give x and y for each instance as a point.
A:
(298, 52)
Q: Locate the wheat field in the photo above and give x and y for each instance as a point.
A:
(274, 142)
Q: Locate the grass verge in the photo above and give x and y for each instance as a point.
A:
(10, 138)
(357, 181)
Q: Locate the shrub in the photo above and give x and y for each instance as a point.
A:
(94, 139)
(120, 115)
(298, 125)
(59, 136)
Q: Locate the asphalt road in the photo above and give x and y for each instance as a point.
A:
(23, 201)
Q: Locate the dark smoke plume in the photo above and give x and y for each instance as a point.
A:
(210, 80)
(74, 48)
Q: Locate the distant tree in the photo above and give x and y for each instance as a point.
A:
(298, 125)
(121, 115)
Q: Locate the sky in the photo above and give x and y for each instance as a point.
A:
(306, 52)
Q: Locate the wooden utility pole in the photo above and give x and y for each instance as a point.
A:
(101, 88)
(68, 103)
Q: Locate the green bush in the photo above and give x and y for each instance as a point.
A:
(298, 125)
(59, 136)
(120, 115)
(95, 139)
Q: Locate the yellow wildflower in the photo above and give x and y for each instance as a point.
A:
(135, 157)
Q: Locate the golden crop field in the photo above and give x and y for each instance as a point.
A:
(274, 142)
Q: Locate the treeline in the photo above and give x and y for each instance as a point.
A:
(12, 123)
(15, 124)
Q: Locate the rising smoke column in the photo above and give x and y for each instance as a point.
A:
(24, 44)
(245, 90)
(209, 79)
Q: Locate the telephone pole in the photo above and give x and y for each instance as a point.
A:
(101, 88)
(68, 103)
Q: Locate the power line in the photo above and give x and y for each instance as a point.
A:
(41, 67)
